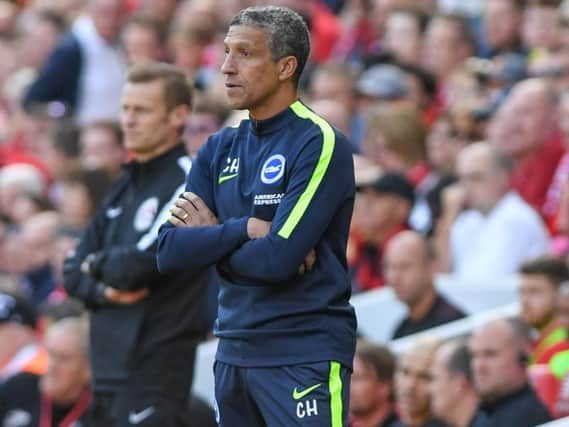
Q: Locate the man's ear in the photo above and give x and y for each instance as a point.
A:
(287, 67)
(179, 115)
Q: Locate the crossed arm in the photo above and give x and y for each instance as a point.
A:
(190, 211)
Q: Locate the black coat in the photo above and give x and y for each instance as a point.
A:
(159, 332)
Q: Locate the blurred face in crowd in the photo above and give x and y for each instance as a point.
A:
(141, 44)
(537, 298)
(541, 27)
(76, 207)
(367, 392)
(108, 17)
(147, 124)
(159, 9)
(501, 23)
(408, 267)
(412, 383)
(403, 36)
(38, 41)
(444, 48)
(446, 387)
(562, 309)
(36, 238)
(528, 99)
(443, 147)
(199, 127)
(68, 372)
(100, 149)
(495, 364)
(381, 212)
(484, 183)
(332, 86)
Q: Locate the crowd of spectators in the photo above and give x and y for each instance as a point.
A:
(458, 112)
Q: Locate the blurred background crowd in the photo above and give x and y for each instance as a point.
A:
(458, 112)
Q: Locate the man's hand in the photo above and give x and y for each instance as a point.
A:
(308, 263)
(190, 211)
(257, 228)
(125, 297)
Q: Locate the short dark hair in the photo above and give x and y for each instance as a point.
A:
(109, 125)
(65, 137)
(463, 29)
(550, 266)
(459, 360)
(149, 23)
(287, 32)
(377, 357)
(177, 88)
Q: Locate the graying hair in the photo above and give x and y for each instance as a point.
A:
(287, 32)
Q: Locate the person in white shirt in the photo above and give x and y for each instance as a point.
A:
(487, 231)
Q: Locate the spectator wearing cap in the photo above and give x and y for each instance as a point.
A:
(20, 351)
(486, 230)
(500, 351)
(382, 208)
(409, 269)
(382, 82)
(371, 388)
(453, 396)
(62, 395)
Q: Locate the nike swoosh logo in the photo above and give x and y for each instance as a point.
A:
(222, 179)
(138, 417)
(300, 394)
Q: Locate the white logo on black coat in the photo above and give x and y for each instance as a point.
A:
(273, 169)
(17, 418)
(145, 214)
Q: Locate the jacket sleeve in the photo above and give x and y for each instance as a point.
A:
(76, 283)
(196, 248)
(131, 267)
(58, 79)
(321, 180)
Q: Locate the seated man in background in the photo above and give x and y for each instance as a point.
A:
(371, 389)
(19, 347)
(61, 396)
(412, 383)
(409, 268)
(540, 279)
(487, 230)
(500, 352)
(453, 396)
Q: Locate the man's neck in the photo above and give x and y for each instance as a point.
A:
(275, 105)
(422, 307)
(416, 420)
(464, 410)
(373, 418)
